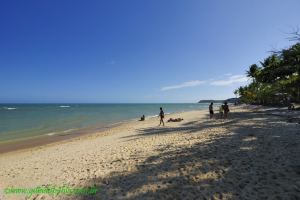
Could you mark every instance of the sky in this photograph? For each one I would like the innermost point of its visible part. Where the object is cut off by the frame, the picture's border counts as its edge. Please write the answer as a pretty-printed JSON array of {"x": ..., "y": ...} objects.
[{"x": 133, "y": 51}]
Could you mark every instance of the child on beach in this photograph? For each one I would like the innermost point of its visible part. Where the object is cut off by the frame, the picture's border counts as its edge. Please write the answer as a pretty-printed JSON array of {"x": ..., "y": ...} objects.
[
  {"x": 161, "y": 115},
  {"x": 221, "y": 111},
  {"x": 211, "y": 110}
]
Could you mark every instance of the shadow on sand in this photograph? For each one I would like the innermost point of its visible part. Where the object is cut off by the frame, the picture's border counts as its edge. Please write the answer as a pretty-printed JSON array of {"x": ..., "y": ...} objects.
[{"x": 257, "y": 158}]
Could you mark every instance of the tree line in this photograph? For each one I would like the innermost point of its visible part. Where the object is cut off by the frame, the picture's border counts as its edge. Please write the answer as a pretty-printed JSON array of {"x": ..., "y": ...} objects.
[{"x": 275, "y": 80}]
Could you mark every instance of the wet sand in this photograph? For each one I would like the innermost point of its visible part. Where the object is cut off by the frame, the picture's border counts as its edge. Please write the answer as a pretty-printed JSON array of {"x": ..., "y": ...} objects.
[
  {"x": 252, "y": 155},
  {"x": 46, "y": 140}
]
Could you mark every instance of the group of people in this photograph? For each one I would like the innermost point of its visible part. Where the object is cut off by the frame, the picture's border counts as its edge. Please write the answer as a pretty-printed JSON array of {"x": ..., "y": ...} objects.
[
  {"x": 223, "y": 110},
  {"x": 162, "y": 116},
  {"x": 291, "y": 106},
  {"x": 223, "y": 114}
]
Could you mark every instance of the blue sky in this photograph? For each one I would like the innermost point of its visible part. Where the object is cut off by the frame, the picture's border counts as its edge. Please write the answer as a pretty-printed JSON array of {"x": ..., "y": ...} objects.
[{"x": 136, "y": 51}]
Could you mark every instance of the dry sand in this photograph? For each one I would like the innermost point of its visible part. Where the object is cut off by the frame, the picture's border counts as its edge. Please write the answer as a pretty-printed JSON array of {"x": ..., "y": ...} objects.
[{"x": 252, "y": 155}]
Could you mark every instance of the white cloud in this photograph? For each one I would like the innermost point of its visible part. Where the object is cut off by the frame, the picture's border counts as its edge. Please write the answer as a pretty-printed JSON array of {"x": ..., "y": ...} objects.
[
  {"x": 226, "y": 81},
  {"x": 230, "y": 80},
  {"x": 183, "y": 85}
]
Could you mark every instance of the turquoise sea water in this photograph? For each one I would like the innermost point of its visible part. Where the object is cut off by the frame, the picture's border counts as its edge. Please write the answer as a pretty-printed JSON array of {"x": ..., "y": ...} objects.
[{"x": 27, "y": 120}]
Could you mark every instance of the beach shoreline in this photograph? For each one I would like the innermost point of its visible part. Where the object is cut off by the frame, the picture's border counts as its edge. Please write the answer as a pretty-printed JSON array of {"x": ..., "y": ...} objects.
[
  {"x": 251, "y": 155},
  {"x": 17, "y": 145},
  {"x": 29, "y": 125},
  {"x": 46, "y": 140}
]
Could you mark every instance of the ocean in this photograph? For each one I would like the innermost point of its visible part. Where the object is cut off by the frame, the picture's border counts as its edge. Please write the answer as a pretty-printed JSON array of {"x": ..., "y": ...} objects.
[{"x": 19, "y": 121}]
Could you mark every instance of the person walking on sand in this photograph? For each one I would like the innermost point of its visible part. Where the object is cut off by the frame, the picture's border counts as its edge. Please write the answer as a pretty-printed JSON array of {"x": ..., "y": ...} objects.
[
  {"x": 226, "y": 110},
  {"x": 211, "y": 110},
  {"x": 162, "y": 116}
]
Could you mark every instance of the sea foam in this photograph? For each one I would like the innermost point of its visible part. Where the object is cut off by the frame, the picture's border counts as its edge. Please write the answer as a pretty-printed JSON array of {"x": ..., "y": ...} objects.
[
  {"x": 9, "y": 108},
  {"x": 152, "y": 116},
  {"x": 69, "y": 130},
  {"x": 61, "y": 132},
  {"x": 64, "y": 106},
  {"x": 52, "y": 133}
]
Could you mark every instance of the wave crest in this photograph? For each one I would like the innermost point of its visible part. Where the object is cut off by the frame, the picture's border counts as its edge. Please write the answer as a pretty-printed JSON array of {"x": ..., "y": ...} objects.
[{"x": 9, "y": 108}]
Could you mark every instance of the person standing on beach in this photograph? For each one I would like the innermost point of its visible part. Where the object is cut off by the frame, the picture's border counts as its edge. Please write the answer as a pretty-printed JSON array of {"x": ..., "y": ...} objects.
[
  {"x": 221, "y": 111},
  {"x": 162, "y": 116},
  {"x": 226, "y": 110},
  {"x": 211, "y": 110}
]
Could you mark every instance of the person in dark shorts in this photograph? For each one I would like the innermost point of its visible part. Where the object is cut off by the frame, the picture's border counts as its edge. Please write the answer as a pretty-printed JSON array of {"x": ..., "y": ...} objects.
[
  {"x": 226, "y": 110},
  {"x": 162, "y": 116},
  {"x": 211, "y": 110}
]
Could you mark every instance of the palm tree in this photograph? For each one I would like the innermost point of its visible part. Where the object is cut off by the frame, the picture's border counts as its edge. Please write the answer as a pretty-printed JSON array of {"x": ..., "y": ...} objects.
[{"x": 253, "y": 71}]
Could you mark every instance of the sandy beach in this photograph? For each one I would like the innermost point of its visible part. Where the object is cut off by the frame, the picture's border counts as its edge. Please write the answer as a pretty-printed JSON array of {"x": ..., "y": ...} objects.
[{"x": 252, "y": 155}]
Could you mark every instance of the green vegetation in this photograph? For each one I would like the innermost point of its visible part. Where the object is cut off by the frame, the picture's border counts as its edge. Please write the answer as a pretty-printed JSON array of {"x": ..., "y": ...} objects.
[
  {"x": 275, "y": 81},
  {"x": 231, "y": 100}
]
